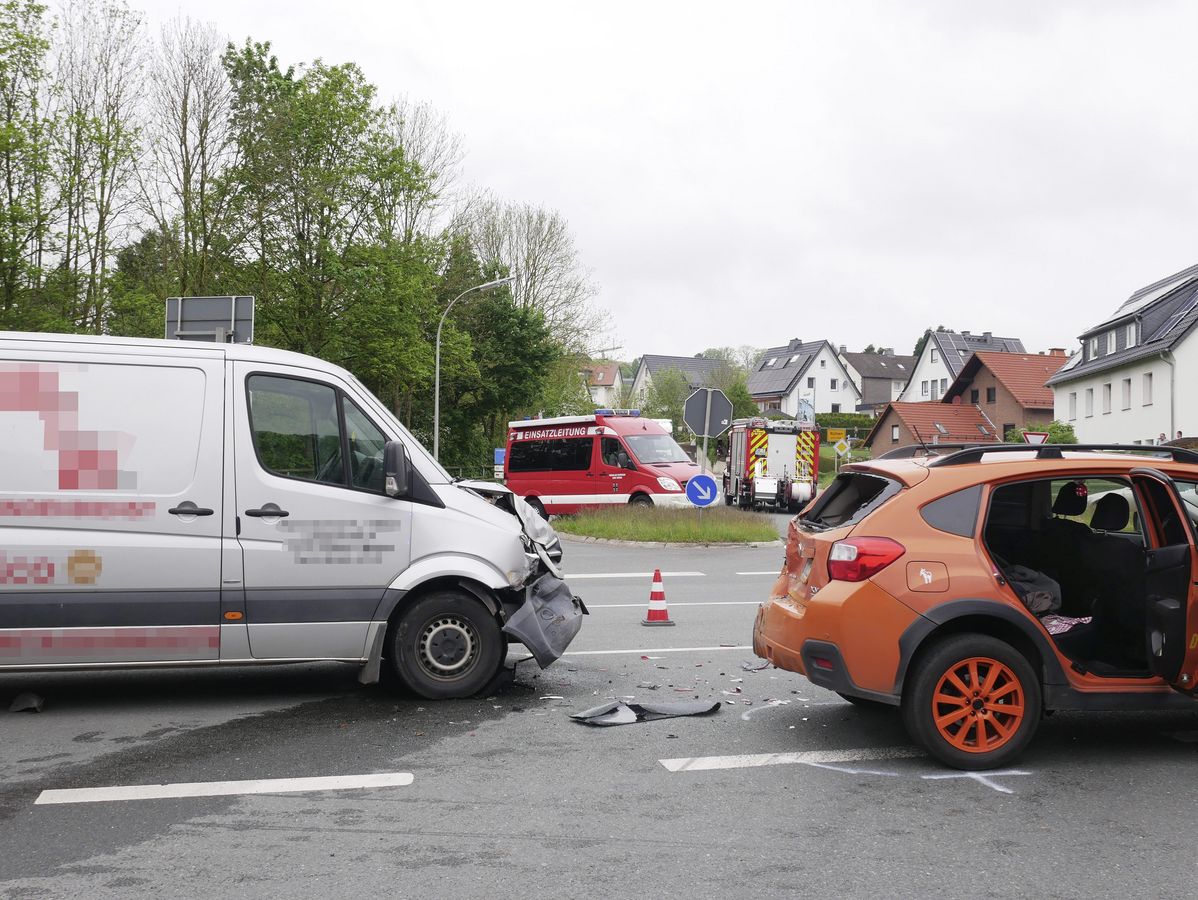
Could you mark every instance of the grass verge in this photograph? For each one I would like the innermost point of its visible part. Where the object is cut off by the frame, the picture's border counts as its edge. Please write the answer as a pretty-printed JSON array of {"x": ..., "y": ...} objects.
[{"x": 718, "y": 525}]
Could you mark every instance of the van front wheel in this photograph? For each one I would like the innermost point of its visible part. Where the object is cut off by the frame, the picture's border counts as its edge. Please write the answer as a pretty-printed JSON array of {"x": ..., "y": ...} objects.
[
  {"x": 641, "y": 500},
  {"x": 973, "y": 702},
  {"x": 447, "y": 645}
]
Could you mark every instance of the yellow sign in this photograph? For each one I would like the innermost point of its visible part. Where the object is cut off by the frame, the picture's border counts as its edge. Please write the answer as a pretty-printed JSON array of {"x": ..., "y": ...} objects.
[
  {"x": 842, "y": 447},
  {"x": 836, "y": 434}
]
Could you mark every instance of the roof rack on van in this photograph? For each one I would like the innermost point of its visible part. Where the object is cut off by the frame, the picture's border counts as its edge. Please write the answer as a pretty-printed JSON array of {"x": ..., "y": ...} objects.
[{"x": 1054, "y": 451}]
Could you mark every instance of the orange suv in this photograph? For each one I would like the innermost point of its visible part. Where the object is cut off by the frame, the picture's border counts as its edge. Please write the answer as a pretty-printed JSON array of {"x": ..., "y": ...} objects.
[{"x": 981, "y": 588}]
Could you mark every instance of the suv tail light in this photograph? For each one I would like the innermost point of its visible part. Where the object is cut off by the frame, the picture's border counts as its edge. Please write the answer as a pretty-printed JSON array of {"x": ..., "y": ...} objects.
[{"x": 856, "y": 559}]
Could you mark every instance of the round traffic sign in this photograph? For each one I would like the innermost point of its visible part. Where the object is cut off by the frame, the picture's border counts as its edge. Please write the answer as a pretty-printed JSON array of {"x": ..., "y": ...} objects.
[{"x": 701, "y": 490}]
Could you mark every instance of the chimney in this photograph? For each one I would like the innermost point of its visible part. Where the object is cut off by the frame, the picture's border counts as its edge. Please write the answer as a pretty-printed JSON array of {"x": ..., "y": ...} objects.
[
  {"x": 794, "y": 344},
  {"x": 843, "y": 348},
  {"x": 965, "y": 334},
  {"x": 1056, "y": 351},
  {"x": 887, "y": 351},
  {"x": 986, "y": 335}
]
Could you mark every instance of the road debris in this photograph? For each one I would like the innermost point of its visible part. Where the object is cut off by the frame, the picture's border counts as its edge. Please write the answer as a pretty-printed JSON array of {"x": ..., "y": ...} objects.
[
  {"x": 27, "y": 702},
  {"x": 755, "y": 665},
  {"x": 619, "y": 713}
]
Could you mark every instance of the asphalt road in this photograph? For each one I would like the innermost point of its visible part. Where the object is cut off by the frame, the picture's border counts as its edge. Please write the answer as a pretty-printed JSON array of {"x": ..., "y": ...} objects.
[{"x": 510, "y": 797}]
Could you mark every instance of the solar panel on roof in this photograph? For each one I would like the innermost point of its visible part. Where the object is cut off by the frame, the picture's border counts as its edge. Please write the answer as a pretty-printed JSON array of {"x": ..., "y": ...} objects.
[{"x": 1174, "y": 319}]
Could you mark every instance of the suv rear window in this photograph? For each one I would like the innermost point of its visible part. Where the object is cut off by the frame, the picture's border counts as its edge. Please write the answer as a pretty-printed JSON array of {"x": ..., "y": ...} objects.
[{"x": 849, "y": 499}]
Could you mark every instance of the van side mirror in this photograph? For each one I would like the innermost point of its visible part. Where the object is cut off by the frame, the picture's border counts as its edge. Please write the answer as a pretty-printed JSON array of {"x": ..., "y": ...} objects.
[{"x": 395, "y": 469}]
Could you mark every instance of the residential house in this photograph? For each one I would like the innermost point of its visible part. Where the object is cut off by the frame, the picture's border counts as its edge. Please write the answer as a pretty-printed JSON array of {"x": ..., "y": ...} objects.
[
  {"x": 1008, "y": 387},
  {"x": 1126, "y": 384},
  {"x": 697, "y": 371},
  {"x": 944, "y": 353},
  {"x": 603, "y": 383},
  {"x": 811, "y": 371},
  {"x": 880, "y": 377},
  {"x": 901, "y": 424}
]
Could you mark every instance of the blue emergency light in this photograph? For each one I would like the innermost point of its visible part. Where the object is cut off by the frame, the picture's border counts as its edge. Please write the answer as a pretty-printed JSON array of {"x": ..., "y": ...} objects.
[{"x": 617, "y": 412}]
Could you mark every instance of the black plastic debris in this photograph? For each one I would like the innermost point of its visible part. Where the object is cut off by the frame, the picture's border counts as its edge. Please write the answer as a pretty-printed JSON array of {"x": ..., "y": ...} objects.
[
  {"x": 27, "y": 702},
  {"x": 755, "y": 665},
  {"x": 617, "y": 712}
]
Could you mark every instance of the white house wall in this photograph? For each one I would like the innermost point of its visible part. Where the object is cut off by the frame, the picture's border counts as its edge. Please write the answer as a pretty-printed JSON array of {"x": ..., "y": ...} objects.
[
  {"x": 822, "y": 396},
  {"x": 926, "y": 370},
  {"x": 1142, "y": 422}
]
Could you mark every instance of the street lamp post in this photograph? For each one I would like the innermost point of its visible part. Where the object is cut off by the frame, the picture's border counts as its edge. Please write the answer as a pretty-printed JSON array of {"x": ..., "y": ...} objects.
[{"x": 498, "y": 282}]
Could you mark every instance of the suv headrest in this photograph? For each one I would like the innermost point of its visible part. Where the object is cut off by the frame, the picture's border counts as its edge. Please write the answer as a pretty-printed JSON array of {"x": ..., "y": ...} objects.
[
  {"x": 1111, "y": 513},
  {"x": 1071, "y": 499}
]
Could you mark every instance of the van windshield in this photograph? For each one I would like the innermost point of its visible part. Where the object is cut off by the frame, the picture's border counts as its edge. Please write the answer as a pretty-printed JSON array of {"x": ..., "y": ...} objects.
[{"x": 652, "y": 449}]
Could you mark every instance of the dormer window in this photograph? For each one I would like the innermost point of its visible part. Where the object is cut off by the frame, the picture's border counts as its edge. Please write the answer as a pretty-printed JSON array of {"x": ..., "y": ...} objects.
[
  {"x": 1110, "y": 341},
  {"x": 1093, "y": 348},
  {"x": 1131, "y": 334}
]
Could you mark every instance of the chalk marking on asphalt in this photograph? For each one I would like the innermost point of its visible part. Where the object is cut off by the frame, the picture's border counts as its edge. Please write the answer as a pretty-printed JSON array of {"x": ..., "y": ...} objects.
[
  {"x": 980, "y": 778},
  {"x": 641, "y": 605},
  {"x": 576, "y": 576},
  {"x": 706, "y": 763},
  {"x": 656, "y": 650},
  {"x": 849, "y": 771},
  {"x": 748, "y": 713},
  {"x": 224, "y": 788},
  {"x": 770, "y": 572}
]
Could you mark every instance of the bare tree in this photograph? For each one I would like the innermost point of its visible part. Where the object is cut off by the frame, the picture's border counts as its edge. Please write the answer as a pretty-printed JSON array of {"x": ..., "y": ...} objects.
[
  {"x": 100, "y": 69},
  {"x": 536, "y": 243},
  {"x": 424, "y": 172},
  {"x": 190, "y": 144}
]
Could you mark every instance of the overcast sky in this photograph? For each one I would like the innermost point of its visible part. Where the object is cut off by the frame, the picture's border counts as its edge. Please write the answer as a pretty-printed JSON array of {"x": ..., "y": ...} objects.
[{"x": 748, "y": 173}]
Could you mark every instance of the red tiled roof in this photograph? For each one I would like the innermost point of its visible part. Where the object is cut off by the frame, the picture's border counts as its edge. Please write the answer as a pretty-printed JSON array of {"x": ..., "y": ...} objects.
[
  {"x": 603, "y": 375},
  {"x": 936, "y": 422},
  {"x": 1023, "y": 374}
]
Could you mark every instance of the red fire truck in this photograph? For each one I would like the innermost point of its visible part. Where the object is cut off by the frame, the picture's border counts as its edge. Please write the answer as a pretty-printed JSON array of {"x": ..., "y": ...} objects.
[{"x": 772, "y": 463}]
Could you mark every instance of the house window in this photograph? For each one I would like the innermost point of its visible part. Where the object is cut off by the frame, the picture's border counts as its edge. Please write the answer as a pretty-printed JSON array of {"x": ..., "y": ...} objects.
[
  {"x": 1148, "y": 389},
  {"x": 770, "y": 362},
  {"x": 991, "y": 394},
  {"x": 1131, "y": 334},
  {"x": 923, "y": 388},
  {"x": 1072, "y": 406},
  {"x": 894, "y": 434},
  {"x": 811, "y": 383},
  {"x": 835, "y": 407},
  {"x": 832, "y": 386},
  {"x": 1106, "y": 398},
  {"x": 1093, "y": 348},
  {"x": 1089, "y": 402},
  {"x": 897, "y": 387},
  {"x": 1007, "y": 428},
  {"x": 791, "y": 361},
  {"x": 934, "y": 356},
  {"x": 1110, "y": 341},
  {"x": 823, "y": 364},
  {"x": 943, "y": 385},
  {"x": 973, "y": 395},
  {"x": 1127, "y": 393}
]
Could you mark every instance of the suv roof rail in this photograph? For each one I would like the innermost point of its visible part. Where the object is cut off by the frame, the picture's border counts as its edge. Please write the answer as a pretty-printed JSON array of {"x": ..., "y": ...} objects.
[
  {"x": 1054, "y": 451},
  {"x": 913, "y": 450}
]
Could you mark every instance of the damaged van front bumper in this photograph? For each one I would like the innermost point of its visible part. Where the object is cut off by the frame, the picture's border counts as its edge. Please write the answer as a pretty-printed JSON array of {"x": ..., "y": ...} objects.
[{"x": 547, "y": 620}]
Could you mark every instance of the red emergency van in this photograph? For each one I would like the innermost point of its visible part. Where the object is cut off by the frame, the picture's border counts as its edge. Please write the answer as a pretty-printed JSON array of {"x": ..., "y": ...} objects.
[{"x": 564, "y": 464}]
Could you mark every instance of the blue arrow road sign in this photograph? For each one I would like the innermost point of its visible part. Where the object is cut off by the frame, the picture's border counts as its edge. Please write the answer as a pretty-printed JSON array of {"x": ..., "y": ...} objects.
[{"x": 701, "y": 490}]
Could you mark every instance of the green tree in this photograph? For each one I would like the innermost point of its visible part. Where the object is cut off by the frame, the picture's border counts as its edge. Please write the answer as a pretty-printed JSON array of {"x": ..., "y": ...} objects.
[
  {"x": 919, "y": 344},
  {"x": 666, "y": 397},
  {"x": 733, "y": 381},
  {"x": 1058, "y": 432}
]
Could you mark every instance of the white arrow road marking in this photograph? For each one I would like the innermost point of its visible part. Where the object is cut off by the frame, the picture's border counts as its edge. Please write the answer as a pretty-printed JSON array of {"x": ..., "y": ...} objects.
[
  {"x": 704, "y": 763},
  {"x": 576, "y": 577},
  {"x": 224, "y": 788}
]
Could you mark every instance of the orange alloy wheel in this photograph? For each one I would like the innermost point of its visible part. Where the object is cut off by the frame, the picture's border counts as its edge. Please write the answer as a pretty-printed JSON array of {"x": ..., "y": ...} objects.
[{"x": 978, "y": 704}]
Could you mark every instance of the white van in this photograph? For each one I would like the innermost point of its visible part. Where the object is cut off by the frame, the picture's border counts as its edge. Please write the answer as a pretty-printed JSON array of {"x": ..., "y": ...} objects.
[{"x": 183, "y": 503}]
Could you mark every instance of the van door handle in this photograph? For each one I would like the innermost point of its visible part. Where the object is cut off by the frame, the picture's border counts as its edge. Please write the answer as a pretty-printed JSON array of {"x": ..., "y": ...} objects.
[
  {"x": 187, "y": 508},
  {"x": 268, "y": 511}
]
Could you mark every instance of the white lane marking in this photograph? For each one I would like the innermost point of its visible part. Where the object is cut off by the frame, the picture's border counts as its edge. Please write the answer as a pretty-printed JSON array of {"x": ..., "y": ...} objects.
[
  {"x": 224, "y": 788},
  {"x": 980, "y": 778},
  {"x": 770, "y": 572},
  {"x": 705, "y": 763},
  {"x": 641, "y": 605},
  {"x": 577, "y": 576},
  {"x": 656, "y": 650}
]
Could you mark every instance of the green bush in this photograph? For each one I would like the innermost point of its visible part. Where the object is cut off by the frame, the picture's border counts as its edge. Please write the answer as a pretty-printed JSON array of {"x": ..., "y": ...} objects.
[{"x": 718, "y": 525}]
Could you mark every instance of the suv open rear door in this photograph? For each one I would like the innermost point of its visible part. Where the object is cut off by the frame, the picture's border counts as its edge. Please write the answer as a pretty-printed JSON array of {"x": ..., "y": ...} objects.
[{"x": 1170, "y": 579}]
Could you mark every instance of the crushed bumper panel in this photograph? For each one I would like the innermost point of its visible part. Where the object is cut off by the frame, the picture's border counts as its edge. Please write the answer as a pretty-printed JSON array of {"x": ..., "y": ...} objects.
[{"x": 548, "y": 619}]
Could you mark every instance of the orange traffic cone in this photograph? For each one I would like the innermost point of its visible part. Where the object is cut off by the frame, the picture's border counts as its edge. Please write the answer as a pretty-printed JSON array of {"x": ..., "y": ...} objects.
[{"x": 658, "y": 614}]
